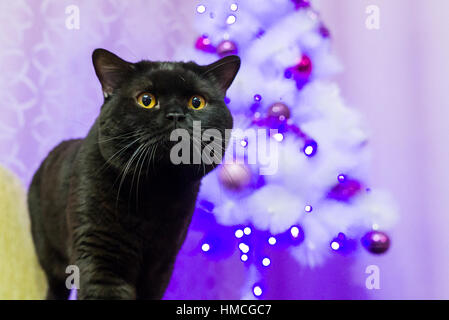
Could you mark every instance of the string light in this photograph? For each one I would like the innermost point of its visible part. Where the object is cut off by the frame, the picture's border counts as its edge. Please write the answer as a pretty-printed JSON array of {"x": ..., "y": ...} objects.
[
  {"x": 272, "y": 240},
  {"x": 335, "y": 245},
  {"x": 244, "y": 257},
  {"x": 257, "y": 290},
  {"x": 310, "y": 148},
  {"x": 231, "y": 19},
  {"x": 200, "y": 8},
  {"x": 234, "y": 7},
  {"x": 308, "y": 208},
  {"x": 278, "y": 137},
  {"x": 266, "y": 262},
  {"x": 243, "y": 247},
  {"x": 238, "y": 233},
  {"x": 205, "y": 247},
  {"x": 294, "y": 231},
  {"x": 247, "y": 231}
]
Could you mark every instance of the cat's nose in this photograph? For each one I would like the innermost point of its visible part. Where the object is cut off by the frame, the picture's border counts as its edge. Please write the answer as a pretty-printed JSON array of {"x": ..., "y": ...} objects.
[{"x": 175, "y": 116}]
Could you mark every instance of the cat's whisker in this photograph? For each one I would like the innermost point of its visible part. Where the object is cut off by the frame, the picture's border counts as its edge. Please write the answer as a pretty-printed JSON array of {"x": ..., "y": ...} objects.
[
  {"x": 136, "y": 167},
  {"x": 153, "y": 155},
  {"x": 125, "y": 171},
  {"x": 108, "y": 163},
  {"x": 122, "y": 136},
  {"x": 149, "y": 152},
  {"x": 213, "y": 146},
  {"x": 209, "y": 159},
  {"x": 144, "y": 154}
]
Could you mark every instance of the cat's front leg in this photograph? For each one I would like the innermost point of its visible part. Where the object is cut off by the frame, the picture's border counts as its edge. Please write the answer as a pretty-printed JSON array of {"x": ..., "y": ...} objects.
[
  {"x": 99, "y": 280},
  {"x": 107, "y": 270},
  {"x": 98, "y": 289}
]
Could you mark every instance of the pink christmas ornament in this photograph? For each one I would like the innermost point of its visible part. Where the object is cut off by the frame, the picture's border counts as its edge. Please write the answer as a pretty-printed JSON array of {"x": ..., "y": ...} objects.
[
  {"x": 226, "y": 48},
  {"x": 279, "y": 112},
  {"x": 234, "y": 176}
]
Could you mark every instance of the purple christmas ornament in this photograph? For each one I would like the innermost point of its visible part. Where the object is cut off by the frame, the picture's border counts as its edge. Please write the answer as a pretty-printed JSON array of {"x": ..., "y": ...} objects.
[
  {"x": 300, "y": 72},
  {"x": 324, "y": 31},
  {"x": 345, "y": 189},
  {"x": 277, "y": 116},
  {"x": 203, "y": 43},
  {"x": 301, "y": 4},
  {"x": 376, "y": 242},
  {"x": 304, "y": 68},
  {"x": 226, "y": 48}
]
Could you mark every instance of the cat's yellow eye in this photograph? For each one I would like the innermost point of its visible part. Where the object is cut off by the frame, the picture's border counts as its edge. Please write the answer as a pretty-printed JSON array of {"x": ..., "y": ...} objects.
[
  {"x": 197, "y": 102},
  {"x": 146, "y": 100}
]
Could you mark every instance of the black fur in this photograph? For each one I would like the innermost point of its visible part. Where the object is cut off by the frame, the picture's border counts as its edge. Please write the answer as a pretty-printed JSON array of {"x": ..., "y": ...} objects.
[{"x": 112, "y": 203}]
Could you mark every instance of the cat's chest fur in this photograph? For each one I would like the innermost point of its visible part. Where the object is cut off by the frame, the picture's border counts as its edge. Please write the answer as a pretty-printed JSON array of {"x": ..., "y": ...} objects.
[
  {"x": 145, "y": 205},
  {"x": 137, "y": 232}
]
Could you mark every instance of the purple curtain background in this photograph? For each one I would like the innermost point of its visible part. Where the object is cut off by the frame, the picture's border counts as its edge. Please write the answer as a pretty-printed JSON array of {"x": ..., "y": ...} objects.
[{"x": 396, "y": 76}]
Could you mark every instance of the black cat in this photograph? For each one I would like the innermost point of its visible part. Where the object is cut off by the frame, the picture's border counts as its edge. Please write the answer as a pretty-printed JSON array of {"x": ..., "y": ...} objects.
[{"x": 113, "y": 203}]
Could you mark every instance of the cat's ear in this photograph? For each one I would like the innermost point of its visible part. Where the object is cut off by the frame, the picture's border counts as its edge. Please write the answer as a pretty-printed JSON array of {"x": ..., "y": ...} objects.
[
  {"x": 224, "y": 70},
  {"x": 110, "y": 69}
]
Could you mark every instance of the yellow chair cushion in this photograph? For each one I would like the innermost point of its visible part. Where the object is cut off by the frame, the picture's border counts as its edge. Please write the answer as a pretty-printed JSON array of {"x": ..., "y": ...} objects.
[{"x": 20, "y": 274}]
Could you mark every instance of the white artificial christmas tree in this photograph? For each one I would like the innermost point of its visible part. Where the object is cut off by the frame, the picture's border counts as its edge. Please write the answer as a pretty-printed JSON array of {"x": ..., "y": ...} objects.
[{"x": 318, "y": 201}]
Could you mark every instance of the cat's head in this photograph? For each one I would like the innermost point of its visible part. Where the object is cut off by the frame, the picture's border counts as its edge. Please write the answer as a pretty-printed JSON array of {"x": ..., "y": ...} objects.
[{"x": 145, "y": 101}]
